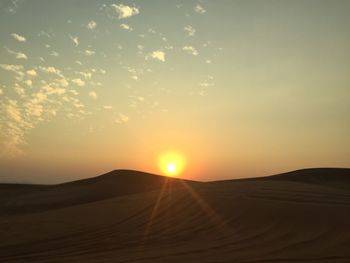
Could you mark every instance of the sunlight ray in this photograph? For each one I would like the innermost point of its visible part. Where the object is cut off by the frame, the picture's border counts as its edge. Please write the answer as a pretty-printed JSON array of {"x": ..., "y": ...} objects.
[{"x": 209, "y": 211}]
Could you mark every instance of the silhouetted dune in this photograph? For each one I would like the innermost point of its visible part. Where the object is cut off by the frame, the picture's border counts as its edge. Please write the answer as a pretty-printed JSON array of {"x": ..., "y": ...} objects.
[
  {"x": 148, "y": 218},
  {"x": 115, "y": 183},
  {"x": 330, "y": 177}
]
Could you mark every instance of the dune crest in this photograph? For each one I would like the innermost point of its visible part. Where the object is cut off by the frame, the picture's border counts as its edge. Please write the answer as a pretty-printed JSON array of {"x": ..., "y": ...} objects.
[{"x": 130, "y": 216}]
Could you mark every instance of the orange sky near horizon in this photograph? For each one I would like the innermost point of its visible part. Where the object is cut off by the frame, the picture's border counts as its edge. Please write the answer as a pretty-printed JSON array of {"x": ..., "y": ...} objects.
[{"x": 240, "y": 88}]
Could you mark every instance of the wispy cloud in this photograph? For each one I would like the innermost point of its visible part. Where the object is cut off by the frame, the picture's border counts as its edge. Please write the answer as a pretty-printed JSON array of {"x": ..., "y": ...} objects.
[
  {"x": 13, "y": 6},
  {"x": 86, "y": 75},
  {"x": 199, "y": 9},
  {"x": 78, "y": 82},
  {"x": 121, "y": 118},
  {"x": 62, "y": 82},
  {"x": 28, "y": 82},
  {"x": 75, "y": 40},
  {"x": 190, "y": 30},
  {"x": 18, "y": 55},
  {"x": 91, "y": 25},
  {"x": 126, "y": 27},
  {"x": 54, "y": 54},
  {"x": 13, "y": 68},
  {"x": 125, "y": 11},
  {"x": 31, "y": 72},
  {"x": 13, "y": 111},
  {"x": 158, "y": 54},
  {"x": 13, "y": 128},
  {"x": 17, "y": 69},
  {"x": 93, "y": 95},
  {"x": 190, "y": 50},
  {"x": 19, "y": 90},
  {"x": 19, "y": 38},
  {"x": 51, "y": 70},
  {"x": 89, "y": 52}
]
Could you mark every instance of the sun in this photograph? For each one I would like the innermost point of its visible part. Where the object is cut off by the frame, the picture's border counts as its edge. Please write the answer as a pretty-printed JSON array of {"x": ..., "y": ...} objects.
[{"x": 171, "y": 163}]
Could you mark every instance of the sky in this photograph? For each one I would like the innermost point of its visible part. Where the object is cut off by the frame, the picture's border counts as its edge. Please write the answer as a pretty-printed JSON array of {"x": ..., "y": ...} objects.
[{"x": 238, "y": 88}]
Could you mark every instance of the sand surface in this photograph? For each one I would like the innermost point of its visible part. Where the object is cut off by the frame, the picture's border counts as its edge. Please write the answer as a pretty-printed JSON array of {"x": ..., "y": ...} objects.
[{"x": 127, "y": 216}]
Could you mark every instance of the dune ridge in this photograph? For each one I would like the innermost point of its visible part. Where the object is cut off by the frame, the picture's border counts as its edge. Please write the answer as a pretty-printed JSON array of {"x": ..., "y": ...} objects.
[{"x": 130, "y": 216}]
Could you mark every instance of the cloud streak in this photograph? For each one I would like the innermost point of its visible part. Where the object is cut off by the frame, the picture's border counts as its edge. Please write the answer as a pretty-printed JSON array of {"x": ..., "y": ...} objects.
[
  {"x": 125, "y": 11},
  {"x": 158, "y": 55},
  {"x": 190, "y": 30},
  {"x": 91, "y": 25},
  {"x": 199, "y": 9},
  {"x": 190, "y": 50},
  {"x": 126, "y": 27},
  {"x": 19, "y": 38}
]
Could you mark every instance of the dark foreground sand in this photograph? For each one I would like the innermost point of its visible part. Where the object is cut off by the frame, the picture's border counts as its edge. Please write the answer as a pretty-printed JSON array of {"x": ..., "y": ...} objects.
[{"x": 127, "y": 216}]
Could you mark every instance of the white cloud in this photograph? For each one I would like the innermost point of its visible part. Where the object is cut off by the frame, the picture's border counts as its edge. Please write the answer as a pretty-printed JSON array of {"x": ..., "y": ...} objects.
[
  {"x": 190, "y": 30},
  {"x": 86, "y": 75},
  {"x": 169, "y": 47},
  {"x": 54, "y": 54},
  {"x": 19, "y": 38},
  {"x": 19, "y": 90},
  {"x": 45, "y": 34},
  {"x": 18, "y": 55},
  {"x": 191, "y": 50},
  {"x": 93, "y": 94},
  {"x": 62, "y": 82},
  {"x": 125, "y": 11},
  {"x": 75, "y": 40},
  {"x": 159, "y": 55},
  {"x": 89, "y": 52},
  {"x": 51, "y": 70},
  {"x": 208, "y": 61},
  {"x": 206, "y": 84},
  {"x": 34, "y": 107},
  {"x": 151, "y": 30},
  {"x": 209, "y": 82},
  {"x": 50, "y": 90},
  {"x": 28, "y": 82},
  {"x": 91, "y": 25},
  {"x": 74, "y": 92},
  {"x": 199, "y": 9},
  {"x": 13, "y": 68},
  {"x": 13, "y": 111},
  {"x": 31, "y": 72},
  {"x": 17, "y": 69},
  {"x": 133, "y": 72},
  {"x": 107, "y": 107},
  {"x": 1, "y": 92},
  {"x": 21, "y": 55},
  {"x": 121, "y": 118},
  {"x": 126, "y": 27},
  {"x": 15, "y": 128},
  {"x": 78, "y": 82}
]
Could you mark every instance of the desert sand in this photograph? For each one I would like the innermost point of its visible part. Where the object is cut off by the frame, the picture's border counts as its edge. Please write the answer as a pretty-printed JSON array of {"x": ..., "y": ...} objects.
[{"x": 130, "y": 216}]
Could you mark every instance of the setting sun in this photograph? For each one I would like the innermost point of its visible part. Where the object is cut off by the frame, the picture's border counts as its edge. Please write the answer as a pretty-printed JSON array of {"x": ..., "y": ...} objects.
[{"x": 171, "y": 163}]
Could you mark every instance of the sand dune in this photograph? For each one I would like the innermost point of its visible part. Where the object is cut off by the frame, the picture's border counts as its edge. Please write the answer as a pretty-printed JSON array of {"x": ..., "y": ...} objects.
[{"x": 128, "y": 216}]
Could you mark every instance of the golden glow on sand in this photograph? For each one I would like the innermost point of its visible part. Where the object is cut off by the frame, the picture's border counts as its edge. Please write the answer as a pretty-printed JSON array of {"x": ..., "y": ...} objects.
[{"x": 171, "y": 163}]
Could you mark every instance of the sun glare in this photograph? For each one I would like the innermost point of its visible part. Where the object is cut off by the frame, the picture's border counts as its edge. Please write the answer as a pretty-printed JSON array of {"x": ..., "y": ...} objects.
[{"x": 171, "y": 163}]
